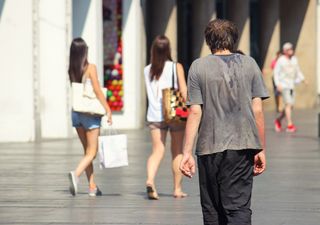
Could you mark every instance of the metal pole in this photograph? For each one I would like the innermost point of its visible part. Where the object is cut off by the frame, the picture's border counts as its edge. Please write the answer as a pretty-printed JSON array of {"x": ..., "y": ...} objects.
[
  {"x": 319, "y": 124},
  {"x": 36, "y": 70},
  {"x": 318, "y": 48},
  {"x": 318, "y": 58}
]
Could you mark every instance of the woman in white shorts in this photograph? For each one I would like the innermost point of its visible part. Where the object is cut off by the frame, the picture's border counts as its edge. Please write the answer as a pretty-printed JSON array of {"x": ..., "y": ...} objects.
[{"x": 158, "y": 76}]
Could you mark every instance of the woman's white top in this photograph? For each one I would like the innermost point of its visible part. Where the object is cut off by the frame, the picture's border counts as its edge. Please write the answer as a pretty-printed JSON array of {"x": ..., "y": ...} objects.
[{"x": 154, "y": 89}]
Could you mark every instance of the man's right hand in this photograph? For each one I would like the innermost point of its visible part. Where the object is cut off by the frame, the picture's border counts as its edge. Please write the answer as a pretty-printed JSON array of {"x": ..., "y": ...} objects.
[
  {"x": 188, "y": 165},
  {"x": 259, "y": 163}
]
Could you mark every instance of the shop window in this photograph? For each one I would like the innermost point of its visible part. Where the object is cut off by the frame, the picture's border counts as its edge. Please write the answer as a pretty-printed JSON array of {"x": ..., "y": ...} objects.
[{"x": 112, "y": 53}]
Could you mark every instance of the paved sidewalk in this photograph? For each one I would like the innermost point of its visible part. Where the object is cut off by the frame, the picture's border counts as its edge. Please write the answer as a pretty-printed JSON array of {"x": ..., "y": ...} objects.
[{"x": 34, "y": 184}]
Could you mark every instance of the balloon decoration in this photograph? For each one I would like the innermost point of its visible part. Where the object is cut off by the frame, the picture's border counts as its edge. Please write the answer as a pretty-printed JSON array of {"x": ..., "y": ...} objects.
[{"x": 112, "y": 40}]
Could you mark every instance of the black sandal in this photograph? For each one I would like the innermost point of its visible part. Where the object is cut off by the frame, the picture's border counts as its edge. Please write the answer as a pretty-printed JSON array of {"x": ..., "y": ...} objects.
[{"x": 152, "y": 194}]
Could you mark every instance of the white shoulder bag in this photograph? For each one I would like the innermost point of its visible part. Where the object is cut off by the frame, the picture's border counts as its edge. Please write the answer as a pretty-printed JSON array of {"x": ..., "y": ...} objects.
[{"x": 84, "y": 99}]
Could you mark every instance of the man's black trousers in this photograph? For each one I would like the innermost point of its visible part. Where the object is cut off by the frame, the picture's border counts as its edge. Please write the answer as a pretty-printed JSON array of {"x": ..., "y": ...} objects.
[{"x": 225, "y": 187}]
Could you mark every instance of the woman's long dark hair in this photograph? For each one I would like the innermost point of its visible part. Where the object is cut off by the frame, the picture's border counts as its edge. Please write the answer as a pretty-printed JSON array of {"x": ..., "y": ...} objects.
[
  {"x": 78, "y": 61},
  {"x": 160, "y": 53}
]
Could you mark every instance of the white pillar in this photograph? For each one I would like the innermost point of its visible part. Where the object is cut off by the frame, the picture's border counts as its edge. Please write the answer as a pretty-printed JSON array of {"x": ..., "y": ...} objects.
[
  {"x": 133, "y": 62},
  {"x": 87, "y": 23},
  {"x": 16, "y": 99},
  {"x": 296, "y": 19},
  {"x": 171, "y": 32},
  {"x": 54, "y": 33}
]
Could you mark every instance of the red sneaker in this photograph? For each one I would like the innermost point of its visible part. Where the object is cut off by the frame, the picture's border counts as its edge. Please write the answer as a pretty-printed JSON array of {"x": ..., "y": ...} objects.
[
  {"x": 291, "y": 129},
  {"x": 277, "y": 125}
]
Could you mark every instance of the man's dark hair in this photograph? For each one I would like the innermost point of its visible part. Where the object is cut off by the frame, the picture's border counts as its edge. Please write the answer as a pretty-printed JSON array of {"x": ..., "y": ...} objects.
[{"x": 220, "y": 35}]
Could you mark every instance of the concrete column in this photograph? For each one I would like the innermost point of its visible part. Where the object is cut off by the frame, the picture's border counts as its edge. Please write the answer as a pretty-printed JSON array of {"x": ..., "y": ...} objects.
[
  {"x": 269, "y": 40},
  {"x": 16, "y": 99},
  {"x": 297, "y": 17},
  {"x": 87, "y": 23},
  {"x": 202, "y": 12},
  {"x": 238, "y": 12},
  {"x": 270, "y": 32},
  {"x": 318, "y": 47},
  {"x": 133, "y": 62},
  {"x": 171, "y": 32},
  {"x": 54, "y": 38},
  {"x": 163, "y": 20}
]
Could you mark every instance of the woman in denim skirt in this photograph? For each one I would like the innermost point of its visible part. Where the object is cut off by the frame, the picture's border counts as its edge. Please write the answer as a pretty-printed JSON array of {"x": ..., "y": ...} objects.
[{"x": 87, "y": 126}]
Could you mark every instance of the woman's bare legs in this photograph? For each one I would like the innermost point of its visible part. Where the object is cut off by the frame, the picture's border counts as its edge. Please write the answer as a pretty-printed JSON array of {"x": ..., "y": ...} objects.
[
  {"x": 158, "y": 149},
  {"x": 89, "y": 140},
  {"x": 288, "y": 112},
  {"x": 89, "y": 170},
  {"x": 176, "y": 150},
  {"x": 277, "y": 100}
]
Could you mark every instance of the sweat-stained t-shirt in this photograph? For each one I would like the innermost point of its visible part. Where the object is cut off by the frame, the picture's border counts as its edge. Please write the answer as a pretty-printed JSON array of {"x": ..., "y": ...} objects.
[{"x": 225, "y": 85}]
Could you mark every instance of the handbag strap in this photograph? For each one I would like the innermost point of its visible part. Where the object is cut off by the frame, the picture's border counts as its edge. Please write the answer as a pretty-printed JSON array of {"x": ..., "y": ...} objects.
[
  {"x": 107, "y": 129},
  {"x": 84, "y": 78},
  {"x": 173, "y": 66}
]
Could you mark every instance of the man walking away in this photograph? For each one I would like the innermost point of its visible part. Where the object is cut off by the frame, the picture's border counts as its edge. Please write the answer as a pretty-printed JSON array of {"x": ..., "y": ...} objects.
[{"x": 225, "y": 92}]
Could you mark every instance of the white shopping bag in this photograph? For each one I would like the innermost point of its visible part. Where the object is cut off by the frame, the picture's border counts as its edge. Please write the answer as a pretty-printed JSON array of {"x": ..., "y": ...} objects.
[{"x": 113, "y": 151}]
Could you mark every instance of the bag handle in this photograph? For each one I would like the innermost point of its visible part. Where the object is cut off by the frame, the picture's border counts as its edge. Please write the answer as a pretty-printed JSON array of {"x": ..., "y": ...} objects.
[
  {"x": 174, "y": 66},
  {"x": 107, "y": 129},
  {"x": 111, "y": 130}
]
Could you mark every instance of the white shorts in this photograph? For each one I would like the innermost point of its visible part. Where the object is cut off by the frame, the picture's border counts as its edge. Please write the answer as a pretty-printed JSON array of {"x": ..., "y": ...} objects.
[{"x": 288, "y": 96}]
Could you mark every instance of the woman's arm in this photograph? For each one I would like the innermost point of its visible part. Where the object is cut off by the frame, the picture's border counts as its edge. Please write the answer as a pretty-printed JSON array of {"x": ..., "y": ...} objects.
[
  {"x": 97, "y": 90},
  {"x": 182, "y": 81},
  {"x": 276, "y": 74}
]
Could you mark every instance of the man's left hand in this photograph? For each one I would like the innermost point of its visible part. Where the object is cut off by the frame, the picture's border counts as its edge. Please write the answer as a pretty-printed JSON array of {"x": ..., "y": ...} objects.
[
  {"x": 259, "y": 163},
  {"x": 188, "y": 165}
]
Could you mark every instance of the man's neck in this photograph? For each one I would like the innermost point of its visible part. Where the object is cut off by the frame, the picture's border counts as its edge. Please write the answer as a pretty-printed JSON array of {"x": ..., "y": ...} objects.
[{"x": 223, "y": 52}]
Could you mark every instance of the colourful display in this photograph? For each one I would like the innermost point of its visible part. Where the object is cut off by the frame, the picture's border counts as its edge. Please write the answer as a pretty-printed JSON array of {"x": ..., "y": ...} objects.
[{"x": 112, "y": 40}]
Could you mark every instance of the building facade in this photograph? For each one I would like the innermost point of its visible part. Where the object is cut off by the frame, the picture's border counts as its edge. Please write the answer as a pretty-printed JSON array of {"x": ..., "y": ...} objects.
[{"x": 35, "y": 37}]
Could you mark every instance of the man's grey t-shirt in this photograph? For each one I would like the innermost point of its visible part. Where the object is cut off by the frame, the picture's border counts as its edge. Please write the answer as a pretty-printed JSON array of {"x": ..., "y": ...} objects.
[{"x": 225, "y": 85}]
